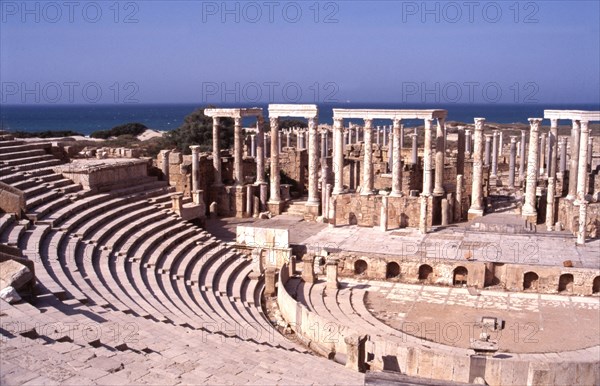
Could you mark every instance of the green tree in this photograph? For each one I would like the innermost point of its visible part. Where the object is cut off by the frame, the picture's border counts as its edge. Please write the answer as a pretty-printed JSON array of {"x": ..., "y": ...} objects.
[
  {"x": 133, "y": 129},
  {"x": 197, "y": 130}
]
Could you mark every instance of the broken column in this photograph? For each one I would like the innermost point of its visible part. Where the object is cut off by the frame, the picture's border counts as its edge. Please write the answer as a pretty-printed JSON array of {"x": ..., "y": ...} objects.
[
  {"x": 195, "y": 167},
  {"x": 165, "y": 164},
  {"x": 476, "y": 208},
  {"x": 458, "y": 208},
  {"x": 529, "y": 207},
  {"x": 522, "y": 156},
  {"x": 423, "y": 215},
  {"x": 383, "y": 216},
  {"x": 308, "y": 270},
  {"x": 581, "y": 234},
  {"x": 332, "y": 273},
  {"x": 550, "y": 204},
  {"x": 271, "y": 277}
]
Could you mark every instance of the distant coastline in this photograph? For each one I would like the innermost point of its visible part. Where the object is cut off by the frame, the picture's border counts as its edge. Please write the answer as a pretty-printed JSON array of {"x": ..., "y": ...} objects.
[{"x": 164, "y": 117}]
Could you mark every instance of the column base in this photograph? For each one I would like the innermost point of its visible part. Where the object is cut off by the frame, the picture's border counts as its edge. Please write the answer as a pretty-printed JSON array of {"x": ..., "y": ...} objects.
[
  {"x": 275, "y": 207},
  {"x": 396, "y": 194},
  {"x": 474, "y": 213},
  {"x": 311, "y": 211},
  {"x": 438, "y": 192}
]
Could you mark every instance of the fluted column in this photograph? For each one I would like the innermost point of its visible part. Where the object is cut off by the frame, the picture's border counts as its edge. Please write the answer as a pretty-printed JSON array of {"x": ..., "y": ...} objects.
[
  {"x": 522, "y": 156},
  {"x": 275, "y": 196},
  {"x": 396, "y": 162},
  {"x": 367, "y": 185},
  {"x": 582, "y": 173},
  {"x": 427, "y": 159},
  {"x": 238, "y": 171},
  {"x": 440, "y": 151},
  {"x": 574, "y": 163},
  {"x": 260, "y": 150},
  {"x": 338, "y": 149},
  {"x": 476, "y": 208},
  {"x": 495, "y": 154},
  {"x": 195, "y": 167},
  {"x": 512, "y": 161},
  {"x": 313, "y": 162},
  {"x": 217, "y": 152},
  {"x": 529, "y": 209}
]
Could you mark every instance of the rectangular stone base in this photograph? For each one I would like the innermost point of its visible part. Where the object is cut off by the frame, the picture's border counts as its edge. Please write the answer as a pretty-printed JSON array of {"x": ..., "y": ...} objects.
[
  {"x": 276, "y": 208},
  {"x": 311, "y": 211},
  {"x": 239, "y": 201},
  {"x": 474, "y": 213}
]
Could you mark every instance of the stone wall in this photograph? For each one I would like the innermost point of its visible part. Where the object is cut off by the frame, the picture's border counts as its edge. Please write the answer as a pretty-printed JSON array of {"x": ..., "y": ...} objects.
[
  {"x": 101, "y": 175},
  {"x": 12, "y": 200},
  {"x": 294, "y": 165},
  {"x": 568, "y": 216},
  {"x": 354, "y": 209}
]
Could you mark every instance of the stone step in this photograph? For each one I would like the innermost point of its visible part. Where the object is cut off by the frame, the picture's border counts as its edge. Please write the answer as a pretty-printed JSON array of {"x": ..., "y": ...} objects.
[
  {"x": 26, "y": 160},
  {"x": 22, "y": 146}
]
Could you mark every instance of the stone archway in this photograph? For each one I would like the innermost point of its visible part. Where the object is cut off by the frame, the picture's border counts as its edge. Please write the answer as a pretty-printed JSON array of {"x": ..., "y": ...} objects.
[
  {"x": 360, "y": 267},
  {"x": 596, "y": 286},
  {"x": 565, "y": 283},
  {"x": 425, "y": 273},
  {"x": 392, "y": 271},
  {"x": 530, "y": 281},
  {"x": 460, "y": 276}
]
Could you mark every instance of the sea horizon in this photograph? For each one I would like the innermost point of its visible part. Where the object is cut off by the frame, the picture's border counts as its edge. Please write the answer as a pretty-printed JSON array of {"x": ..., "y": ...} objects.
[{"x": 87, "y": 118}]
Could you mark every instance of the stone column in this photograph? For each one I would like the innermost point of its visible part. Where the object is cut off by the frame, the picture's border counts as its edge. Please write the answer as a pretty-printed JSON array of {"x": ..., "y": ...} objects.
[
  {"x": 563, "y": 156},
  {"x": 396, "y": 162},
  {"x": 468, "y": 142},
  {"x": 238, "y": 171},
  {"x": 378, "y": 135},
  {"x": 385, "y": 136},
  {"x": 542, "y": 153},
  {"x": 249, "y": 200},
  {"x": 444, "y": 212},
  {"x": 550, "y": 204},
  {"x": 367, "y": 185},
  {"x": 500, "y": 145},
  {"x": 217, "y": 152},
  {"x": 279, "y": 147},
  {"x": 346, "y": 141},
  {"x": 581, "y": 235},
  {"x": 275, "y": 196},
  {"x": 488, "y": 145},
  {"x": 313, "y": 163},
  {"x": 308, "y": 269},
  {"x": 350, "y": 135},
  {"x": 427, "y": 159},
  {"x": 253, "y": 145},
  {"x": 553, "y": 146},
  {"x": 460, "y": 154},
  {"x": 165, "y": 164},
  {"x": 332, "y": 273},
  {"x": 323, "y": 144},
  {"x": 529, "y": 209},
  {"x": 415, "y": 149},
  {"x": 260, "y": 151},
  {"x": 582, "y": 173},
  {"x": 271, "y": 272},
  {"x": 476, "y": 208},
  {"x": 401, "y": 136},
  {"x": 495, "y": 154},
  {"x": 383, "y": 215},
  {"x": 287, "y": 137},
  {"x": 440, "y": 150},
  {"x": 338, "y": 155},
  {"x": 423, "y": 215},
  {"x": 590, "y": 151},
  {"x": 458, "y": 208},
  {"x": 512, "y": 161},
  {"x": 522, "y": 156},
  {"x": 574, "y": 163},
  {"x": 195, "y": 167}
]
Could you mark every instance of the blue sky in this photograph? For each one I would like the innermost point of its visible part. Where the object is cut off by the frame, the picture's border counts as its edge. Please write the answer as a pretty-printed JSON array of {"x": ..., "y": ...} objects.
[{"x": 304, "y": 51}]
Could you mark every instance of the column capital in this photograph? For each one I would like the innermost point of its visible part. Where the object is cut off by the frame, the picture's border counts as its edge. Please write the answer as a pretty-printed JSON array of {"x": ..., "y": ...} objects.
[
  {"x": 237, "y": 121},
  {"x": 368, "y": 123},
  {"x": 338, "y": 123},
  {"x": 553, "y": 123},
  {"x": 195, "y": 149},
  {"x": 535, "y": 123},
  {"x": 216, "y": 120},
  {"x": 584, "y": 126},
  {"x": 488, "y": 137},
  {"x": 479, "y": 123},
  {"x": 274, "y": 121},
  {"x": 513, "y": 139},
  {"x": 397, "y": 123}
]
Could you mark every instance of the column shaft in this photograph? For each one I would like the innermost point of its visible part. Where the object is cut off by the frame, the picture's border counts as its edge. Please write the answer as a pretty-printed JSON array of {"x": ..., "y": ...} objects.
[
  {"x": 217, "y": 152},
  {"x": 313, "y": 162},
  {"x": 195, "y": 167},
  {"x": 529, "y": 208},
  {"x": 338, "y": 149},
  {"x": 427, "y": 159},
  {"x": 512, "y": 161},
  {"x": 260, "y": 151},
  {"x": 582, "y": 172},
  {"x": 522, "y": 156},
  {"x": 476, "y": 208},
  {"x": 495, "y": 154},
  {"x": 238, "y": 172},
  {"x": 574, "y": 163},
  {"x": 275, "y": 177},
  {"x": 396, "y": 162},
  {"x": 367, "y": 185},
  {"x": 440, "y": 150}
]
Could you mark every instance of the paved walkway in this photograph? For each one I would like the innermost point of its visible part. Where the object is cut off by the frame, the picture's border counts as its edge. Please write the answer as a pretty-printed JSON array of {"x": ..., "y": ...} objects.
[{"x": 456, "y": 241}]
